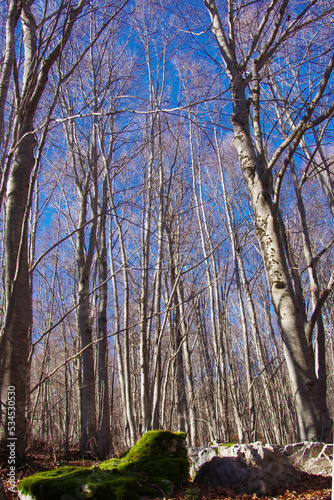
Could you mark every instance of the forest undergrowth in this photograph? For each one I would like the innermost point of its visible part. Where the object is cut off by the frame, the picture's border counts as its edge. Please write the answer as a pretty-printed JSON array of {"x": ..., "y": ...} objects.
[{"x": 310, "y": 487}]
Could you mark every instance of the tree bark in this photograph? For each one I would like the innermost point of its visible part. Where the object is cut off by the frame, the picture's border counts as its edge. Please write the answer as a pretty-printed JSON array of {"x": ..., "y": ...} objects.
[
  {"x": 312, "y": 413},
  {"x": 103, "y": 428},
  {"x": 15, "y": 343},
  {"x": 125, "y": 357},
  {"x": 87, "y": 393},
  {"x": 311, "y": 408},
  {"x": 15, "y": 340}
]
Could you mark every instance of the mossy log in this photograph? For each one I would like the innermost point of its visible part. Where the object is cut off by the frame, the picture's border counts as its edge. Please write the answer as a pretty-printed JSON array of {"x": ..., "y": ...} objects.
[{"x": 153, "y": 468}]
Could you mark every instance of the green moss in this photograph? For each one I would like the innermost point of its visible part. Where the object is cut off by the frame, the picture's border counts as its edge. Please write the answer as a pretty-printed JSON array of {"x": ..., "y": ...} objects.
[
  {"x": 153, "y": 467},
  {"x": 158, "y": 453},
  {"x": 53, "y": 484}
]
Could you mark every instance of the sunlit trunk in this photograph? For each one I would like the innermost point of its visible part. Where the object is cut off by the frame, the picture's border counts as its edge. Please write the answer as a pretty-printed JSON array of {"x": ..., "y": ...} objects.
[
  {"x": 14, "y": 345},
  {"x": 311, "y": 408}
]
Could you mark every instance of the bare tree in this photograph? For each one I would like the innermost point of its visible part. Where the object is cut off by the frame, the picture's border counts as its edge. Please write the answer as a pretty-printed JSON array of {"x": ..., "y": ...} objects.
[
  {"x": 14, "y": 345},
  {"x": 103, "y": 406},
  {"x": 245, "y": 69},
  {"x": 44, "y": 35}
]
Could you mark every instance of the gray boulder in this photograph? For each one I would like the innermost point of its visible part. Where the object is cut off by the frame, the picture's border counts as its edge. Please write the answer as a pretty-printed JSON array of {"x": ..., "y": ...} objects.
[
  {"x": 312, "y": 458},
  {"x": 255, "y": 467},
  {"x": 222, "y": 471}
]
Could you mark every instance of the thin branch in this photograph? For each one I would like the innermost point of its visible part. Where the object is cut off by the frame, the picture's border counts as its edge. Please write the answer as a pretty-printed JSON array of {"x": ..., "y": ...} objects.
[
  {"x": 94, "y": 342},
  {"x": 317, "y": 310},
  {"x": 304, "y": 124}
]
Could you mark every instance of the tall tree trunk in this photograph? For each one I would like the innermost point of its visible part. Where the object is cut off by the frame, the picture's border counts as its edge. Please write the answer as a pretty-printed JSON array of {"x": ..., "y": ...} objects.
[
  {"x": 191, "y": 427},
  {"x": 15, "y": 338},
  {"x": 311, "y": 408},
  {"x": 157, "y": 376},
  {"x": 84, "y": 168},
  {"x": 244, "y": 284},
  {"x": 14, "y": 8},
  {"x": 88, "y": 393},
  {"x": 212, "y": 281},
  {"x": 144, "y": 292},
  {"x": 103, "y": 428},
  {"x": 125, "y": 357},
  {"x": 208, "y": 372},
  {"x": 176, "y": 339},
  {"x": 12, "y": 17},
  {"x": 316, "y": 340},
  {"x": 117, "y": 328},
  {"x": 14, "y": 345}
]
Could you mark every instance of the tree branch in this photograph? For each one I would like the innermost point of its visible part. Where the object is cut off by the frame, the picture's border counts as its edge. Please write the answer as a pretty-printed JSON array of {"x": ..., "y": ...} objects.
[{"x": 317, "y": 310}]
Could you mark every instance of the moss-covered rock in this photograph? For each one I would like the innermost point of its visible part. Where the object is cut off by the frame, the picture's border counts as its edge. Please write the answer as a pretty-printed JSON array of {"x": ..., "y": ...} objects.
[{"x": 152, "y": 468}]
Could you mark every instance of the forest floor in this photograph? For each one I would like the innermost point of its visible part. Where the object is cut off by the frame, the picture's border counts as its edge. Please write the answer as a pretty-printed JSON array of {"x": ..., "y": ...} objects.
[{"x": 309, "y": 488}]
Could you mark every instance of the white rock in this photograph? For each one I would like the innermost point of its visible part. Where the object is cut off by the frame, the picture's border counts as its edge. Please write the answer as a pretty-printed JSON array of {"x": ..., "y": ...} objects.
[
  {"x": 255, "y": 467},
  {"x": 310, "y": 457}
]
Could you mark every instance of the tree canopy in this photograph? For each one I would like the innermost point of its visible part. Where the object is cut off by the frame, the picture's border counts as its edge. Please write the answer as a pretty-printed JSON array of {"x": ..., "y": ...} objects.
[{"x": 166, "y": 206}]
